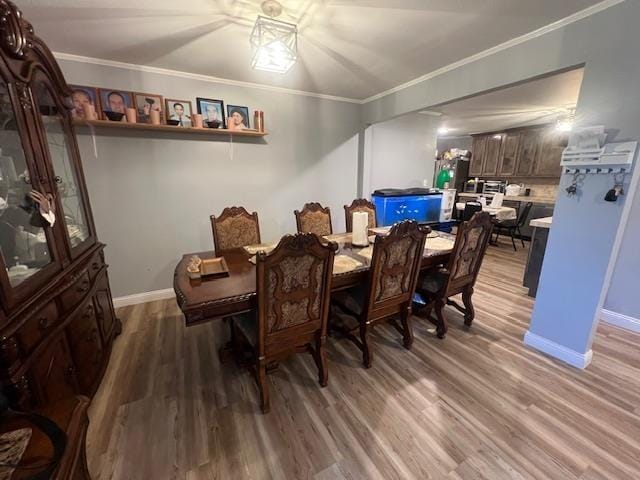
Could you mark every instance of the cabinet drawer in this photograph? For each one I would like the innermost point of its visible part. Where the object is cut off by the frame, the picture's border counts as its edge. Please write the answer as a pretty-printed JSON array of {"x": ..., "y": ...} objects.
[
  {"x": 95, "y": 265},
  {"x": 86, "y": 347},
  {"x": 73, "y": 295},
  {"x": 38, "y": 327}
]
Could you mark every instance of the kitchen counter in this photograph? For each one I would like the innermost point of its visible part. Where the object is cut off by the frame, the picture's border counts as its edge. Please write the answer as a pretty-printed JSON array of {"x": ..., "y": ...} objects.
[
  {"x": 541, "y": 222},
  {"x": 514, "y": 198}
]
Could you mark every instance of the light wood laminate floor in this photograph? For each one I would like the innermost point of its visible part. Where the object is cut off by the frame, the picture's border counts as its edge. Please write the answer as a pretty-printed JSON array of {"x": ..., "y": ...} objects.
[{"x": 478, "y": 404}]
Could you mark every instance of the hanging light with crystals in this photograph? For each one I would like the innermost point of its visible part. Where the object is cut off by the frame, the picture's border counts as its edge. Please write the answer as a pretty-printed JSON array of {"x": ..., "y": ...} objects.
[{"x": 274, "y": 43}]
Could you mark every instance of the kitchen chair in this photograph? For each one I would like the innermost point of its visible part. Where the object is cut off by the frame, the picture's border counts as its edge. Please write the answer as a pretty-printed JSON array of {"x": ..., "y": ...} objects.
[
  {"x": 470, "y": 208},
  {"x": 389, "y": 287},
  {"x": 511, "y": 227},
  {"x": 234, "y": 228},
  {"x": 293, "y": 287},
  {"x": 460, "y": 274},
  {"x": 314, "y": 219},
  {"x": 360, "y": 205}
]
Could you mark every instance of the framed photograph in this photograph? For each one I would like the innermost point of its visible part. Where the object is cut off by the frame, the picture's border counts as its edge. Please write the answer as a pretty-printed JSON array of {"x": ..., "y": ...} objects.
[
  {"x": 178, "y": 112},
  {"x": 82, "y": 95},
  {"x": 147, "y": 102},
  {"x": 114, "y": 103},
  {"x": 211, "y": 111},
  {"x": 239, "y": 115}
]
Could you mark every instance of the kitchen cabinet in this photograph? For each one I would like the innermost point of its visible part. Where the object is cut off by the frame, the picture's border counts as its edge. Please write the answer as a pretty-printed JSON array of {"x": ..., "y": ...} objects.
[
  {"x": 492, "y": 152},
  {"x": 528, "y": 152},
  {"x": 548, "y": 159},
  {"x": 476, "y": 166},
  {"x": 510, "y": 153}
]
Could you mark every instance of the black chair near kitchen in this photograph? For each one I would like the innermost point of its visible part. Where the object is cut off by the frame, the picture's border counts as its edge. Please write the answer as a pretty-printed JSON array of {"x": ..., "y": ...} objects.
[
  {"x": 511, "y": 227},
  {"x": 470, "y": 209}
]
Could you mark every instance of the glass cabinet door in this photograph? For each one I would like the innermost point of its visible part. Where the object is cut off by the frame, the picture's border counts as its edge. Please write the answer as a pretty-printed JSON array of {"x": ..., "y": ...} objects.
[
  {"x": 68, "y": 190},
  {"x": 23, "y": 240}
]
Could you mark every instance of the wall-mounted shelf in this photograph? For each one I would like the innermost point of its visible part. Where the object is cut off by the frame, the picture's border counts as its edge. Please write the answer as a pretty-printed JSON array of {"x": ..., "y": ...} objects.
[{"x": 168, "y": 128}]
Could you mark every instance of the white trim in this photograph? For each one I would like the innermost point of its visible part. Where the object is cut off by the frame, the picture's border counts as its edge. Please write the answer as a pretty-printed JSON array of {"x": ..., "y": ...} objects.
[
  {"x": 197, "y": 76},
  {"x": 598, "y": 7},
  {"x": 143, "y": 297},
  {"x": 620, "y": 320},
  {"x": 576, "y": 359}
]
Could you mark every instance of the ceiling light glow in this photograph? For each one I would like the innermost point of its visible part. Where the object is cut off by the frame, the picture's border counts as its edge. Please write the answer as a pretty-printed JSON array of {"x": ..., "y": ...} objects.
[
  {"x": 443, "y": 131},
  {"x": 274, "y": 45}
]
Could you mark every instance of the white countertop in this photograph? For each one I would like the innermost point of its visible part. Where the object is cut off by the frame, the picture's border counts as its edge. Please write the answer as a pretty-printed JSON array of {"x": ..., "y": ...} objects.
[
  {"x": 541, "y": 222},
  {"x": 515, "y": 198}
]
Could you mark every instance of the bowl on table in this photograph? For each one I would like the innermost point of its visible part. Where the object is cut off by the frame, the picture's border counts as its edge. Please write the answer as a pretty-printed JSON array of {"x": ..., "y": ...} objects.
[
  {"x": 113, "y": 116},
  {"x": 213, "y": 123},
  {"x": 175, "y": 123}
]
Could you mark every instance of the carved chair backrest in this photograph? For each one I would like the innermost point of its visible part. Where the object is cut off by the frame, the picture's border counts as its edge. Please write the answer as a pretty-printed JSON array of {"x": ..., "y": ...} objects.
[
  {"x": 468, "y": 251},
  {"x": 394, "y": 269},
  {"x": 293, "y": 289},
  {"x": 360, "y": 205},
  {"x": 314, "y": 219},
  {"x": 234, "y": 228}
]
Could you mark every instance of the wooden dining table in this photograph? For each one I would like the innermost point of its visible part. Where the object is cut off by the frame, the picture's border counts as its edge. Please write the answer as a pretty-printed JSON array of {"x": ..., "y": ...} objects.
[{"x": 207, "y": 299}]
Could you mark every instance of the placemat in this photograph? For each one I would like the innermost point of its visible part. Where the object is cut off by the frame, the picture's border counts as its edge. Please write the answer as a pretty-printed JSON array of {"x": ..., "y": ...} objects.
[
  {"x": 438, "y": 243},
  {"x": 344, "y": 264}
]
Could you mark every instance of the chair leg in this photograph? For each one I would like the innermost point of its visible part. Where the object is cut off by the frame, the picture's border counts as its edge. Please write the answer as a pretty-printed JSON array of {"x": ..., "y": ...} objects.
[
  {"x": 497, "y": 236},
  {"x": 261, "y": 368},
  {"x": 441, "y": 326},
  {"x": 321, "y": 361},
  {"x": 513, "y": 239},
  {"x": 470, "y": 313},
  {"x": 407, "y": 328},
  {"x": 366, "y": 348},
  {"x": 520, "y": 235}
]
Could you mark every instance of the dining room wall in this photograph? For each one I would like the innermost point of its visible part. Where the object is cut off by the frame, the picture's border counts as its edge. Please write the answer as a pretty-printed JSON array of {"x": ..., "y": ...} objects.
[
  {"x": 589, "y": 243},
  {"x": 152, "y": 192},
  {"x": 400, "y": 153}
]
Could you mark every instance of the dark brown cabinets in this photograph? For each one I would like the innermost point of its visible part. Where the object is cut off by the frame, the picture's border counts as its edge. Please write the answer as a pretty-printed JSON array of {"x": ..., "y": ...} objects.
[
  {"x": 524, "y": 152},
  {"x": 57, "y": 321},
  {"x": 509, "y": 157},
  {"x": 477, "y": 156}
]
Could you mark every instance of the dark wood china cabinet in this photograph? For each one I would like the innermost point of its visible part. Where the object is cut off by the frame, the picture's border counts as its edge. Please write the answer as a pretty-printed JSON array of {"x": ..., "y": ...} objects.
[{"x": 57, "y": 321}]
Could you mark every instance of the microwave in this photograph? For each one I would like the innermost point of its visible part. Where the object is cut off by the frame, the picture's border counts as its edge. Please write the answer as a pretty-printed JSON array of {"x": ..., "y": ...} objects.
[{"x": 494, "y": 186}]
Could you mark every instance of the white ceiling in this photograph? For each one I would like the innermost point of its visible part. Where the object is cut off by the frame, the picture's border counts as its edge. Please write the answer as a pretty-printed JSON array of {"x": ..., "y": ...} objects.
[
  {"x": 535, "y": 102},
  {"x": 351, "y": 49}
]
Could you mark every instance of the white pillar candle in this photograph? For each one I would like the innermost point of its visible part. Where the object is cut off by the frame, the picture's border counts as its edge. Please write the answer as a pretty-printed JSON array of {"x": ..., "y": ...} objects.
[{"x": 360, "y": 227}]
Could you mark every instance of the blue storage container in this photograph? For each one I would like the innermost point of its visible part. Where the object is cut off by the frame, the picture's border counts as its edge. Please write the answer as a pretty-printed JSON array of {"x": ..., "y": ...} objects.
[{"x": 394, "y": 205}]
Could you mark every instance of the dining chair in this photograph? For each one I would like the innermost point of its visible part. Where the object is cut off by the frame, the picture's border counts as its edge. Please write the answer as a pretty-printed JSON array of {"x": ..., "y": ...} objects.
[
  {"x": 511, "y": 227},
  {"x": 314, "y": 218},
  {"x": 360, "y": 205},
  {"x": 293, "y": 287},
  {"x": 470, "y": 208},
  {"x": 389, "y": 288},
  {"x": 459, "y": 276},
  {"x": 234, "y": 228}
]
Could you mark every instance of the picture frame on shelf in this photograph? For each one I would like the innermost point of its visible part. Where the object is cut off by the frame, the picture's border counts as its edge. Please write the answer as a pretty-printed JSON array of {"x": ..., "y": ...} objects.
[
  {"x": 114, "y": 103},
  {"x": 81, "y": 95},
  {"x": 239, "y": 115},
  {"x": 178, "y": 112},
  {"x": 212, "y": 111},
  {"x": 147, "y": 102}
]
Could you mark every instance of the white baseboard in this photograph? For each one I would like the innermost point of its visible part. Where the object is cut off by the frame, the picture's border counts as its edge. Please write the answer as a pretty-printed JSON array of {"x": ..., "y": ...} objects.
[
  {"x": 620, "y": 320},
  {"x": 143, "y": 297},
  {"x": 576, "y": 359}
]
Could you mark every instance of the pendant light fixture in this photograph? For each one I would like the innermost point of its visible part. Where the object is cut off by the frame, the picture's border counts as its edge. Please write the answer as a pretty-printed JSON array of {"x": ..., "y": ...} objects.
[{"x": 274, "y": 43}]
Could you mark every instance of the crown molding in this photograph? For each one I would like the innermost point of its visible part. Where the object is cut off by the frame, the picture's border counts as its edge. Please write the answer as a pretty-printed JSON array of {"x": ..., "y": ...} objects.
[
  {"x": 197, "y": 76},
  {"x": 587, "y": 12}
]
